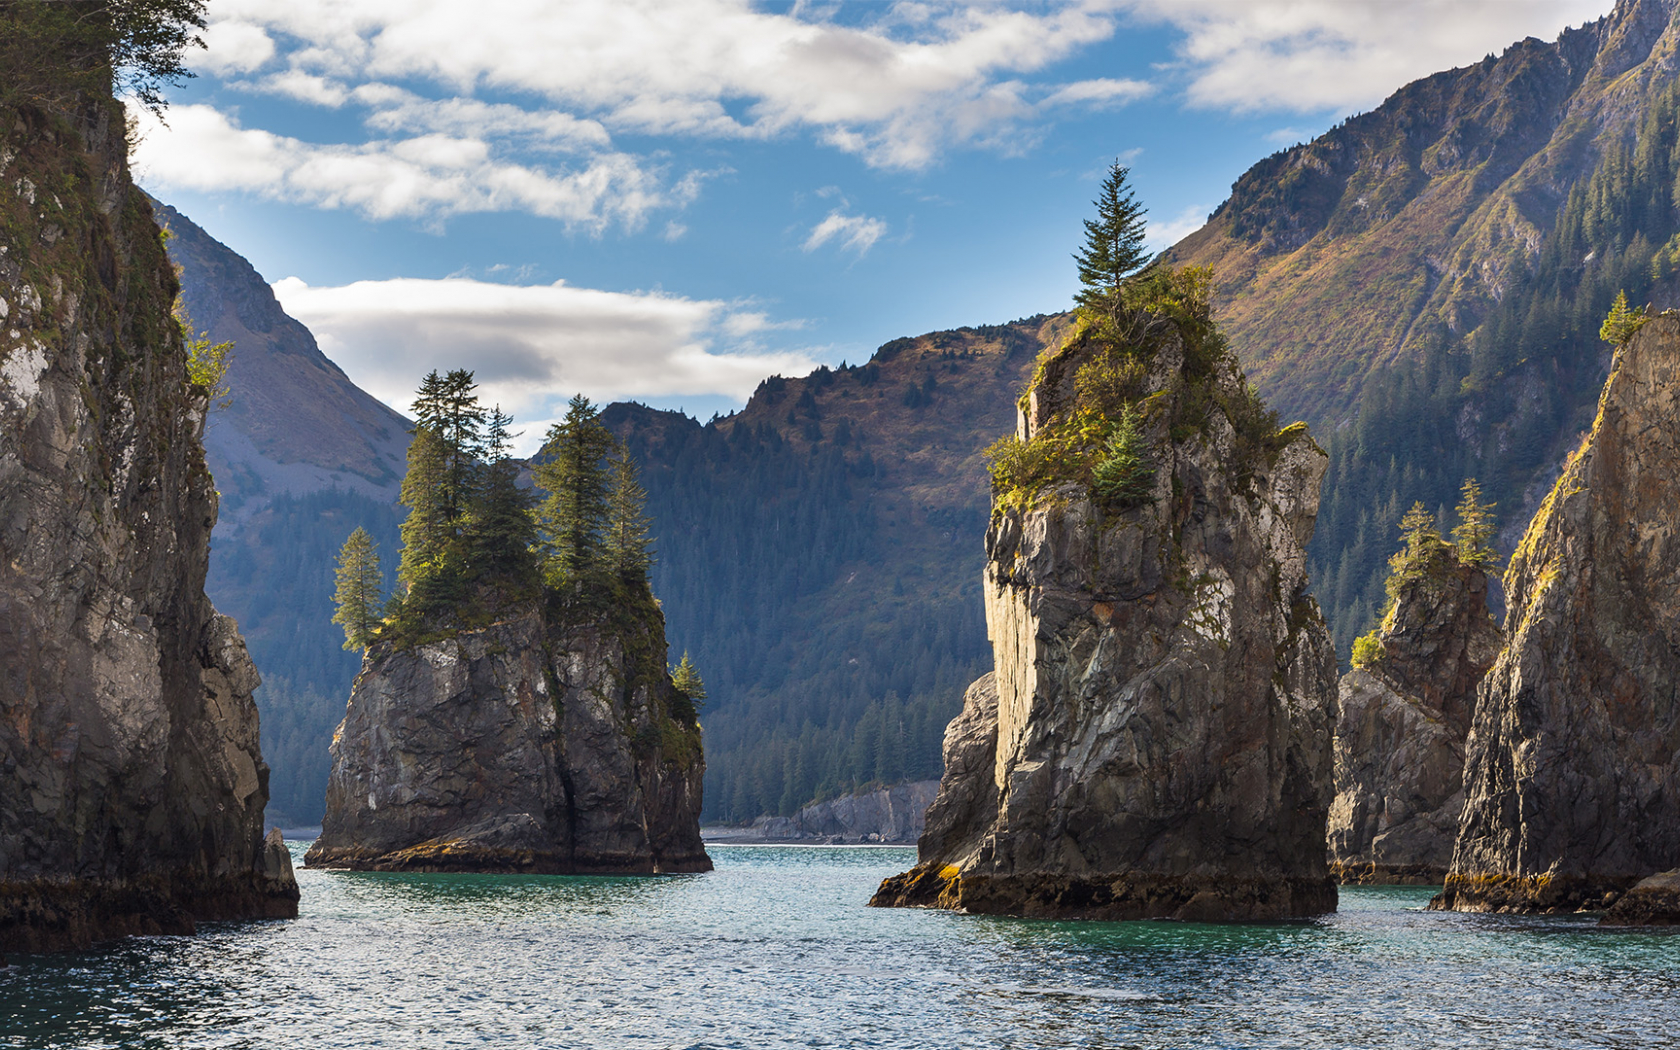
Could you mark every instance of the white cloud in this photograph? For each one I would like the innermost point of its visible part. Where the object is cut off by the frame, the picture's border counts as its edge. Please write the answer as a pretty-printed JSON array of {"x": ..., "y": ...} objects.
[
  {"x": 857, "y": 233},
  {"x": 233, "y": 47},
  {"x": 1101, "y": 92},
  {"x": 1162, "y": 235},
  {"x": 1312, "y": 55},
  {"x": 532, "y": 347},
  {"x": 424, "y": 176},
  {"x": 898, "y": 88}
]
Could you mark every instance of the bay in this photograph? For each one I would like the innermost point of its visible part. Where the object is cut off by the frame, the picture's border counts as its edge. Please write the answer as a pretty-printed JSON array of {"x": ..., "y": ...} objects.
[{"x": 776, "y": 949}]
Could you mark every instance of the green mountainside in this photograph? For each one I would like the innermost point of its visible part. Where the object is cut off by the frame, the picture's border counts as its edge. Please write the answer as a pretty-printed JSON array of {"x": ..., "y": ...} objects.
[
  {"x": 819, "y": 555},
  {"x": 1424, "y": 283}
]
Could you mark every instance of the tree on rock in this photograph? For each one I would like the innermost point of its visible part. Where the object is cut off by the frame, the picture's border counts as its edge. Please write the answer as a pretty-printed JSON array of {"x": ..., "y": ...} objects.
[
  {"x": 1113, "y": 245},
  {"x": 628, "y": 540},
  {"x": 500, "y": 533},
  {"x": 359, "y": 595},
  {"x": 574, "y": 472},
  {"x": 687, "y": 681},
  {"x": 1475, "y": 528}
]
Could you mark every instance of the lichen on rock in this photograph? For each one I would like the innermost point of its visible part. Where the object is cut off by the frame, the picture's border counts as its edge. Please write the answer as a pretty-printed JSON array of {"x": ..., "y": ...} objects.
[
  {"x": 1154, "y": 739},
  {"x": 132, "y": 780},
  {"x": 1574, "y": 752}
]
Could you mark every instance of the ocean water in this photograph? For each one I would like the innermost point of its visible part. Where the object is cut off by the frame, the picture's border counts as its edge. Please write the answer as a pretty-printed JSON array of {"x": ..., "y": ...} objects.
[{"x": 776, "y": 949}]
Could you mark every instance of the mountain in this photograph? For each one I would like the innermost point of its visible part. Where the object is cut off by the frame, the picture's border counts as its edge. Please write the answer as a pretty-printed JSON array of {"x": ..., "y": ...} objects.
[
  {"x": 820, "y": 554},
  {"x": 301, "y": 456},
  {"x": 1424, "y": 283}
]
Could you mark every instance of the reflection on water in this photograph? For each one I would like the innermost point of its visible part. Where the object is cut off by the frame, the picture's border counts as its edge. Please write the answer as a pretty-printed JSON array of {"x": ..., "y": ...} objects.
[{"x": 774, "y": 949}]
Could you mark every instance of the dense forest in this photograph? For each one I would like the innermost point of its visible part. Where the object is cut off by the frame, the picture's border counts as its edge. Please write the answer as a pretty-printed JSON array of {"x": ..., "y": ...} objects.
[{"x": 1535, "y": 365}]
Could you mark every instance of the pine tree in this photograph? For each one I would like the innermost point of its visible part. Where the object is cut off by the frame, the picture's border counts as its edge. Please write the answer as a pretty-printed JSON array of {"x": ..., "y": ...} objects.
[
  {"x": 573, "y": 472},
  {"x": 428, "y": 533},
  {"x": 447, "y": 405},
  {"x": 629, "y": 547},
  {"x": 1123, "y": 476},
  {"x": 1622, "y": 322},
  {"x": 359, "y": 585},
  {"x": 1475, "y": 528},
  {"x": 1113, "y": 245},
  {"x": 500, "y": 533},
  {"x": 1423, "y": 546},
  {"x": 687, "y": 680}
]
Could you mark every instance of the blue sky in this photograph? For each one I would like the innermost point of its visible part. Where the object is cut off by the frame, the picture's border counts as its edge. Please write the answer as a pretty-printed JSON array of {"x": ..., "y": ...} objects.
[{"x": 668, "y": 202}]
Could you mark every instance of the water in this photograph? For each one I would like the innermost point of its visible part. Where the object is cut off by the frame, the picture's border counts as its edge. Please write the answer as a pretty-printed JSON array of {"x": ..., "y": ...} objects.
[{"x": 775, "y": 949}]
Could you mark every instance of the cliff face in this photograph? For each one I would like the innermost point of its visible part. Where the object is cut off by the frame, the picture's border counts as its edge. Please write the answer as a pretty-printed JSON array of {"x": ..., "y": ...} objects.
[
  {"x": 527, "y": 746},
  {"x": 1574, "y": 752},
  {"x": 1154, "y": 741},
  {"x": 1400, "y": 729},
  {"x": 129, "y": 765}
]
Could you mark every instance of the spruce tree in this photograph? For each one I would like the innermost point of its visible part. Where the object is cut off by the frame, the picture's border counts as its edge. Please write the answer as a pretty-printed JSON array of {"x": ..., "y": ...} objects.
[
  {"x": 428, "y": 533},
  {"x": 687, "y": 680},
  {"x": 1123, "y": 476},
  {"x": 573, "y": 471},
  {"x": 500, "y": 534},
  {"x": 1113, "y": 245},
  {"x": 629, "y": 547},
  {"x": 447, "y": 405},
  {"x": 1475, "y": 528},
  {"x": 358, "y": 595}
]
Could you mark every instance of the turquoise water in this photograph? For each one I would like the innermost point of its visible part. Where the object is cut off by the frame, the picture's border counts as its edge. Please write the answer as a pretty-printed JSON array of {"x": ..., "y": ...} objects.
[{"x": 775, "y": 949}]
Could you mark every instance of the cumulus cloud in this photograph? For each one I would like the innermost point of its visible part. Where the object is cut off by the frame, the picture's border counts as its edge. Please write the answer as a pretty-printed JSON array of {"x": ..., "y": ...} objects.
[
  {"x": 1159, "y": 236},
  {"x": 426, "y": 175},
  {"x": 533, "y": 346},
  {"x": 897, "y": 88},
  {"x": 1311, "y": 55},
  {"x": 856, "y": 233}
]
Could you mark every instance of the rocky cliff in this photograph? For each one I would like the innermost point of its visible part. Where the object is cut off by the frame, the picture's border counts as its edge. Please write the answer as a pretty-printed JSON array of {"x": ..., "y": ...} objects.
[
  {"x": 537, "y": 744},
  {"x": 132, "y": 782},
  {"x": 1155, "y": 738},
  {"x": 1573, "y": 757},
  {"x": 1401, "y": 723}
]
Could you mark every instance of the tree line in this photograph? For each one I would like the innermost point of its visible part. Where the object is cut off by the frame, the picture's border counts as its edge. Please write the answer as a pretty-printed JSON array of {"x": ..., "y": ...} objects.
[{"x": 475, "y": 542}]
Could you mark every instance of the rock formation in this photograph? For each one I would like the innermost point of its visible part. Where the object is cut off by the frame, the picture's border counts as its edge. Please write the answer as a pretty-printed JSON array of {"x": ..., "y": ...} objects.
[
  {"x": 131, "y": 784},
  {"x": 531, "y": 745},
  {"x": 1155, "y": 739},
  {"x": 1572, "y": 771},
  {"x": 1401, "y": 723}
]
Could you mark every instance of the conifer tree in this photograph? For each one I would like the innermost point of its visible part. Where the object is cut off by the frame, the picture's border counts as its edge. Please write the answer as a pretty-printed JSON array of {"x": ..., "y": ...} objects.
[
  {"x": 1423, "y": 545},
  {"x": 1475, "y": 528},
  {"x": 574, "y": 473},
  {"x": 687, "y": 680},
  {"x": 358, "y": 595},
  {"x": 1123, "y": 476},
  {"x": 1621, "y": 322},
  {"x": 500, "y": 533},
  {"x": 428, "y": 532},
  {"x": 447, "y": 405},
  {"x": 629, "y": 547},
  {"x": 1113, "y": 245}
]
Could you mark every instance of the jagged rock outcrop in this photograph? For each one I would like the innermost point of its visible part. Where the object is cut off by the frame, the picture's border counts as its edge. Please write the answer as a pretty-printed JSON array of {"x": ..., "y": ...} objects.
[
  {"x": 1401, "y": 724},
  {"x": 1155, "y": 738},
  {"x": 889, "y": 816},
  {"x": 1572, "y": 770},
  {"x": 131, "y": 783},
  {"x": 531, "y": 745}
]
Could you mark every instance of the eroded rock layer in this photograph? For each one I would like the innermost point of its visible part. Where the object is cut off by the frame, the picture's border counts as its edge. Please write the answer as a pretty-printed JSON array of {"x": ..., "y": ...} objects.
[
  {"x": 1155, "y": 738},
  {"x": 131, "y": 783},
  {"x": 1401, "y": 724},
  {"x": 1572, "y": 771},
  {"x": 526, "y": 746}
]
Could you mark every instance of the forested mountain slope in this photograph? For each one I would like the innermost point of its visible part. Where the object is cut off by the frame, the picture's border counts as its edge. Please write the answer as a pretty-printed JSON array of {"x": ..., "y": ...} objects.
[
  {"x": 1424, "y": 283},
  {"x": 301, "y": 456},
  {"x": 820, "y": 556}
]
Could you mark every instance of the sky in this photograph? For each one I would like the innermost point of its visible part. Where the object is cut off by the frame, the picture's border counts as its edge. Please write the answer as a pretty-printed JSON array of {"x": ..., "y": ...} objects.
[{"x": 667, "y": 202}]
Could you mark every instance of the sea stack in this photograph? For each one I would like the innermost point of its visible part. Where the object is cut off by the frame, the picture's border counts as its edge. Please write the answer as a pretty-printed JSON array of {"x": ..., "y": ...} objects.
[
  {"x": 1154, "y": 741},
  {"x": 1401, "y": 723},
  {"x": 545, "y": 743},
  {"x": 131, "y": 783},
  {"x": 1572, "y": 768}
]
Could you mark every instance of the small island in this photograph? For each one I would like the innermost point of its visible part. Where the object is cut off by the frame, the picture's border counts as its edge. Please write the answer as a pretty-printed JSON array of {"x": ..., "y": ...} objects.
[{"x": 514, "y": 711}]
